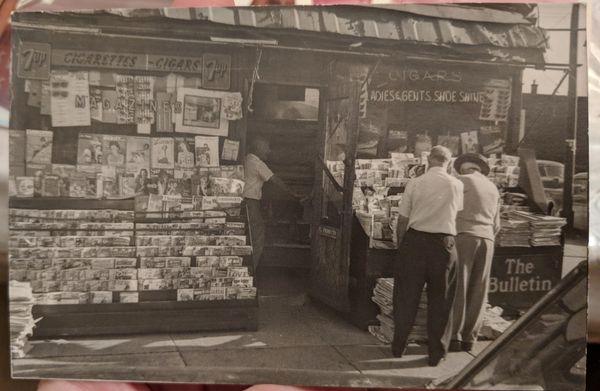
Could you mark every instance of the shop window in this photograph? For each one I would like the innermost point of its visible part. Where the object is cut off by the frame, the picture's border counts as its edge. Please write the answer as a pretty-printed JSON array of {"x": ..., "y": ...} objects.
[{"x": 292, "y": 103}]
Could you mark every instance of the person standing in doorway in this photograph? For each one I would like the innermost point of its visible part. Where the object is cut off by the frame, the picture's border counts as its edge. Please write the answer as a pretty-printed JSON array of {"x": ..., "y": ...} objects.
[
  {"x": 427, "y": 255},
  {"x": 257, "y": 173},
  {"x": 477, "y": 225}
]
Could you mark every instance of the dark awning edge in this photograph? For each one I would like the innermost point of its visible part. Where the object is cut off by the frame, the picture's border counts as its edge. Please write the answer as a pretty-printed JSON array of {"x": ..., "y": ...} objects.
[{"x": 508, "y": 43}]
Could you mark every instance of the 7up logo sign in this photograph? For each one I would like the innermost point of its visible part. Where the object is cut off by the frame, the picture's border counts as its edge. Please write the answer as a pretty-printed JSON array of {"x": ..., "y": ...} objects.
[{"x": 33, "y": 61}]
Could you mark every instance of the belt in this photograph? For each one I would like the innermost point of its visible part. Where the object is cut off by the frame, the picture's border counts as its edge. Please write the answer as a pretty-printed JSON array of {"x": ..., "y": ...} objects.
[{"x": 432, "y": 234}]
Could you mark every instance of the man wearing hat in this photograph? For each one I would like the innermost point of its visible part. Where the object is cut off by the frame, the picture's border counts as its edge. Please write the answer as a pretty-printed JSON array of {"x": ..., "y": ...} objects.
[
  {"x": 427, "y": 254},
  {"x": 477, "y": 225}
]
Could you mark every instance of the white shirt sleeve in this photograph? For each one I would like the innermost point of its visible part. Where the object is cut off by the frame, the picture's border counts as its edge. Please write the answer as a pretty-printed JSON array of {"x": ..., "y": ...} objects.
[
  {"x": 405, "y": 206},
  {"x": 263, "y": 171},
  {"x": 460, "y": 195}
]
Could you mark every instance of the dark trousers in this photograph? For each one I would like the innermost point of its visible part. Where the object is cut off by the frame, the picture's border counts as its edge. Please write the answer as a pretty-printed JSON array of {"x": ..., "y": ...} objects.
[
  {"x": 425, "y": 258},
  {"x": 257, "y": 230}
]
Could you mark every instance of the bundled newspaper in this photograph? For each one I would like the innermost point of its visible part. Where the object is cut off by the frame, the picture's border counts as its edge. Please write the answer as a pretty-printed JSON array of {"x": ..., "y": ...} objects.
[
  {"x": 21, "y": 319},
  {"x": 523, "y": 229},
  {"x": 383, "y": 296}
]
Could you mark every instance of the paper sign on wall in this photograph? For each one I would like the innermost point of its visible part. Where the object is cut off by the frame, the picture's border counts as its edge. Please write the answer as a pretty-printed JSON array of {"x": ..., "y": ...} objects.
[{"x": 70, "y": 99}]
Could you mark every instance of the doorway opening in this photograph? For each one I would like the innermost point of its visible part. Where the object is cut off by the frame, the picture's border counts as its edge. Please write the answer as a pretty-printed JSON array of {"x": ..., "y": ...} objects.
[{"x": 289, "y": 117}]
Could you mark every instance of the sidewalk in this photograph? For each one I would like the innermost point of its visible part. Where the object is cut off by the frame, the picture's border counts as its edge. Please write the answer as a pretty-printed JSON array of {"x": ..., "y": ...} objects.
[{"x": 317, "y": 345}]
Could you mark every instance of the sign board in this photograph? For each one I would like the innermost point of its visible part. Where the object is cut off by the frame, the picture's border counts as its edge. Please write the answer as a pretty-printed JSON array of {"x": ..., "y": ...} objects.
[
  {"x": 216, "y": 71},
  {"x": 520, "y": 278},
  {"x": 33, "y": 61},
  {"x": 328, "y": 232},
  {"x": 113, "y": 60}
]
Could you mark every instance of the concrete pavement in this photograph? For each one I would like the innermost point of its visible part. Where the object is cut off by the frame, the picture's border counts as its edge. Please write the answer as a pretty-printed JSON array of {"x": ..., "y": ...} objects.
[{"x": 310, "y": 343}]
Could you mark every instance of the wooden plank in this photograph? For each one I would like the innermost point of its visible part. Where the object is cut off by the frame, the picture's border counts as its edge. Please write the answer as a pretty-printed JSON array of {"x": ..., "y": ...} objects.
[
  {"x": 139, "y": 321},
  {"x": 63, "y": 309},
  {"x": 70, "y": 203}
]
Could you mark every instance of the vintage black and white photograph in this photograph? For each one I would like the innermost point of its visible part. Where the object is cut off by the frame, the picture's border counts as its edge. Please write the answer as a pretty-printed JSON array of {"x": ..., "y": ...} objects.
[{"x": 379, "y": 196}]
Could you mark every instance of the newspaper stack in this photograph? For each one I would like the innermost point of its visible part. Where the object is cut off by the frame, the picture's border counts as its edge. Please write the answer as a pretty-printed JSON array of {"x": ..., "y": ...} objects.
[
  {"x": 21, "y": 320},
  {"x": 514, "y": 231},
  {"x": 383, "y": 297},
  {"x": 545, "y": 230}
]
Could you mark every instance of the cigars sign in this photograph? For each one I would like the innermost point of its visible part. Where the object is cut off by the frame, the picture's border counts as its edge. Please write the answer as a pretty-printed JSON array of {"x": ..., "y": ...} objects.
[
  {"x": 520, "y": 280},
  {"x": 35, "y": 60}
]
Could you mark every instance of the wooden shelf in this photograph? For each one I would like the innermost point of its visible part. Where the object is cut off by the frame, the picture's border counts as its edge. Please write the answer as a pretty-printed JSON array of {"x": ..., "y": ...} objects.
[
  {"x": 69, "y": 203},
  {"x": 144, "y": 318}
]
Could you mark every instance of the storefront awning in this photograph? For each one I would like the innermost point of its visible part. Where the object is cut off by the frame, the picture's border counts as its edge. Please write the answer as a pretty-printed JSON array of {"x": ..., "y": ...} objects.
[
  {"x": 444, "y": 28},
  {"x": 461, "y": 27}
]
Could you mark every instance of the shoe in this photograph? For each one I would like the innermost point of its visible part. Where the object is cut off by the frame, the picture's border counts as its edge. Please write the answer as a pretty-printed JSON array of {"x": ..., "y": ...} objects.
[
  {"x": 467, "y": 346},
  {"x": 434, "y": 361},
  {"x": 397, "y": 352},
  {"x": 455, "y": 346}
]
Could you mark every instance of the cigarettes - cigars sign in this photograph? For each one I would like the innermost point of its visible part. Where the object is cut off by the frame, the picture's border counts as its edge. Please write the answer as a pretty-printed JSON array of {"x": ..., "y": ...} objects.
[{"x": 35, "y": 60}]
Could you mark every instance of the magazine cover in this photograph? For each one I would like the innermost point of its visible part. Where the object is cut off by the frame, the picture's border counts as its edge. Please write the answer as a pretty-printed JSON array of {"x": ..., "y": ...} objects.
[
  {"x": 90, "y": 149},
  {"x": 24, "y": 186},
  {"x": 138, "y": 153},
  {"x": 450, "y": 142},
  {"x": 337, "y": 281},
  {"x": 114, "y": 149},
  {"x": 78, "y": 185},
  {"x": 39, "y": 147},
  {"x": 491, "y": 139},
  {"x": 163, "y": 155},
  {"x": 422, "y": 144},
  {"x": 207, "y": 151},
  {"x": 17, "y": 143},
  {"x": 158, "y": 180},
  {"x": 184, "y": 153},
  {"x": 469, "y": 142},
  {"x": 127, "y": 184},
  {"x": 51, "y": 186}
]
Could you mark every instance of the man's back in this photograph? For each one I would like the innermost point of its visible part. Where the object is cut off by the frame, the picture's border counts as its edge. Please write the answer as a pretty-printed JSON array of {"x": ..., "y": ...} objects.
[
  {"x": 481, "y": 200},
  {"x": 432, "y": 202}
]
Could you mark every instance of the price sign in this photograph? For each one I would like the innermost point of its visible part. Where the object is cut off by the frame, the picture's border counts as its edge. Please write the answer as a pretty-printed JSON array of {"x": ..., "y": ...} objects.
[{"x": 33, "y": 61}]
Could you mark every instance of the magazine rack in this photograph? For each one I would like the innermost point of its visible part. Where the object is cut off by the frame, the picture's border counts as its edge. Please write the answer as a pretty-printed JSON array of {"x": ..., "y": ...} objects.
[{"x": 156, "y": 311}]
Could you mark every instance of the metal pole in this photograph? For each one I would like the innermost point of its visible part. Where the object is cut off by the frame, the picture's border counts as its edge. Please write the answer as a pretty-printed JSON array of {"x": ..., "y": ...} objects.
[{"x": 571, "y": 128}]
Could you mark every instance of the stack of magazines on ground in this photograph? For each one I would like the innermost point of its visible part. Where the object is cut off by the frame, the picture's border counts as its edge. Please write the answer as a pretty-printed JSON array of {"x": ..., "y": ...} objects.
[
  {"x": 383, "y": 297},
  {"x": 21, "y": 320},
  {"x": 493, "y": 324}
]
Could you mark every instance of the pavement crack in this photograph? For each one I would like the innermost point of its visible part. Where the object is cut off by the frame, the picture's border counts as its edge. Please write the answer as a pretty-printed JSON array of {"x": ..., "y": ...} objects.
[
  {"x": 346, "y": 359},
  {"x": 179, "y": 352}
]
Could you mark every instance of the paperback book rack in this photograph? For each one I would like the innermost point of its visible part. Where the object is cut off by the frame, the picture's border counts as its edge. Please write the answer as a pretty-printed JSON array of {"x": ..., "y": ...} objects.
[{"x": 171, "y": 271}]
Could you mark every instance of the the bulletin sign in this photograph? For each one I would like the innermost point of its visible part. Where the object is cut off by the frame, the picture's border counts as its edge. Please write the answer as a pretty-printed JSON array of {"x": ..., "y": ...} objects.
[
  {"x": 33, "y": 61},
  {"x": 520, "y": 278}
]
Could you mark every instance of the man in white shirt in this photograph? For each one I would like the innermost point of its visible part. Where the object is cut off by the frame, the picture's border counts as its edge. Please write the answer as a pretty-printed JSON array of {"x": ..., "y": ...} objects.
[
  {"x": 257, "y": 173},
  {"x": 427, "y": 254}
]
